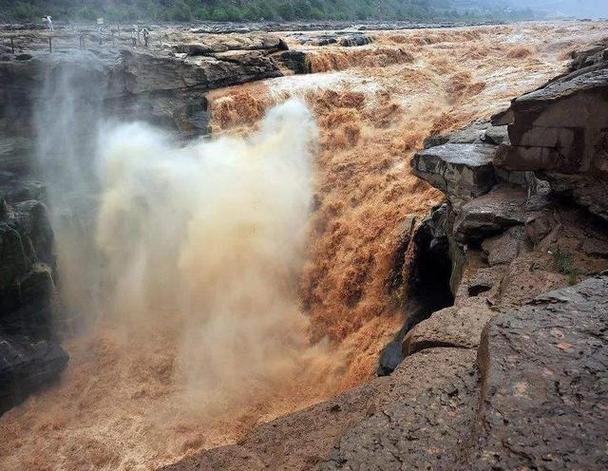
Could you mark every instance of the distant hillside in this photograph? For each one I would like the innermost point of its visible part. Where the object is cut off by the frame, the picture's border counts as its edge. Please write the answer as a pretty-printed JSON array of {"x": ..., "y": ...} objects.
[{"x": 236, "y": 10}]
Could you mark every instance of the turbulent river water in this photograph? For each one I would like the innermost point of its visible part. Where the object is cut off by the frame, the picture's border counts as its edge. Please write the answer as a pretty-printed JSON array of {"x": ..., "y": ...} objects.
[{"x": 245, "y": 276}]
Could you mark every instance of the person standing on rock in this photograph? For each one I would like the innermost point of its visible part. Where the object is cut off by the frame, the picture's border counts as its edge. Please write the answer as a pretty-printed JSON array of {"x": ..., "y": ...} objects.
[{"x": 49, "y": 22}]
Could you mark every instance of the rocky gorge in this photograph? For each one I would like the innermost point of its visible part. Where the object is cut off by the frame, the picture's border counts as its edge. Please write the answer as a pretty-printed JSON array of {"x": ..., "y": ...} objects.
[{"x": 494, "y": 354}]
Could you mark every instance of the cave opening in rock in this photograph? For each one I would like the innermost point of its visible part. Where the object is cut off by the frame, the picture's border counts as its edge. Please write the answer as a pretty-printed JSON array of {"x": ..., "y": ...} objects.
[
  {"x": 429, "y": 284},
  {"x": 428, "y": 288}
]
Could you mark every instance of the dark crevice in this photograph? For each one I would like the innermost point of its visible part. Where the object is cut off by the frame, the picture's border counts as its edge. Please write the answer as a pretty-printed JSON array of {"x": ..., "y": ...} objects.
[{"x": 428, "y": 285}]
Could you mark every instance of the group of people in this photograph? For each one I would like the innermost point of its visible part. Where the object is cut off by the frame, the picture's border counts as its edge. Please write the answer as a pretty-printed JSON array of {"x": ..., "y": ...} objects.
[{"x": 134, "y": 33}]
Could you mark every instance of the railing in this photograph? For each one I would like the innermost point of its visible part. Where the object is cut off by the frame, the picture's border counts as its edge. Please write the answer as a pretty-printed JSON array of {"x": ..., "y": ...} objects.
[{"x": 81, "y": 38}]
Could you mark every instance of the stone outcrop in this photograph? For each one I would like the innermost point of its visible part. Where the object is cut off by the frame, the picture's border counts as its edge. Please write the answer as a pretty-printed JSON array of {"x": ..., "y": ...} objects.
[
  {"x": 462, "y": 171},
  {"x": 165, "y": 85},
  {"x": 26, "y": 365},
  {"x": 212, "y": 43},
  {"x": 593, "y": 55},
  {"x": 29, "y": 356},
  {"x": 544, "y": 384},
  {"x": 146, "y": 72},
  {"x": 458, "y": 327},
  {"x": 344, "y": 39},
  {"x": 560, "y": 131},
  {"x": 492, "y": 213},
  {"x": 475, "y": 133},
  {"x": 423, "y": 425}
]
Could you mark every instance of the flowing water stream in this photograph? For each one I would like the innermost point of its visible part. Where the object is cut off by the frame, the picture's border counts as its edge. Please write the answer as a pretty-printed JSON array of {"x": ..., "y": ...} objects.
[{"x": 217, "y": 284}]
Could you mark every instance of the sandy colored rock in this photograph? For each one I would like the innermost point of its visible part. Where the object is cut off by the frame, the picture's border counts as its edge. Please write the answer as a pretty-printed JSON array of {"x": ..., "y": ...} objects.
[
  {"x": 544, "y": 384},
  {"x": 424, "y": 426},
  {"x": 451, "y": 327}
]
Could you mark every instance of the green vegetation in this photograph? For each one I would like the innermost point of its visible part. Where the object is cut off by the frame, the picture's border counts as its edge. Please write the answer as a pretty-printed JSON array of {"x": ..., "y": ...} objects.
[
  {"x": 564, "y": 263},
  {"x": 249, "y": 10}
]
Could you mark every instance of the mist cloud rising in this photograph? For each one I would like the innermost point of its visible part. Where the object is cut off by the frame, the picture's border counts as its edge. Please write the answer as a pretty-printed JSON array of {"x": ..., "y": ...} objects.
[{"x": 207, "y": 240}]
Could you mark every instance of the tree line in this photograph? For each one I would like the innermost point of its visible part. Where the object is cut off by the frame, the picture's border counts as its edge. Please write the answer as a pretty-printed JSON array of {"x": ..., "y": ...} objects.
[{"x": 246, "y": 10}]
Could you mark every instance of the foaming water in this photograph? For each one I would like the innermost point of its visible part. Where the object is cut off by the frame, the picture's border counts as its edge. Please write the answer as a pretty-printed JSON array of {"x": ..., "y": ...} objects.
[
  {"x": 198, "y": 332},
  {"x": 209, "y": 239}
]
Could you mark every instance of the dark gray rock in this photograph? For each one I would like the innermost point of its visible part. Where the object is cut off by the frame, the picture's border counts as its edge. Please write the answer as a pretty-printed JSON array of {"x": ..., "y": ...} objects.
[
  {"x": 424, "y": 426},
  {"x": 146, "y": 72},
  {"x": 343, "y": 39},
  {"x": 502, "y": 249},
  {"x": 461, "y": 171},
  {"x": 560, "y": 132},
  {"x": 390, "y": 358},
  {"x": 295, "y": 61},
  {"x": 472, "y": 134},
  {"x": 27, "y": 358},
  {"x": 490, "y": 214},
  {"x": 496, "y": 135},
  {"x": 545, "y": 384},
  {"x": 355, "y": 40},
  {"x": 26, "y": 238},
  {"x": 25, "y": 366},
  {"x": 594, "y": 55}
]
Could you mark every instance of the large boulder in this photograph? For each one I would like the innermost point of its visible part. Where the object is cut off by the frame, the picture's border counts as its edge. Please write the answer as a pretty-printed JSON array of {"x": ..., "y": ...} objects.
[
  {"x": 492, "y": 213},
  {"x": 157, "y": 72},
  {"x": 544, "y": 384},
  {"x": 28, "y": 358},
  {"x": 26, "y": 365},
  {"x": 560, "y": 132},
  {"x": 344, "y": 39},
  {"x": 596, "y": 54},
  {"x": 461, "y": 171},
  {"x": 424, "y": 426},
  {"x": 27, "y": 261},
  {"x": 505, "y": 247},
  {"x": 458, "y": 327}
]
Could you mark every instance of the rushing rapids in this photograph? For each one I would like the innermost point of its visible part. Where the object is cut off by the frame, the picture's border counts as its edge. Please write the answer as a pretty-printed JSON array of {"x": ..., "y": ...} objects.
[{"x": 165, "y": 370}]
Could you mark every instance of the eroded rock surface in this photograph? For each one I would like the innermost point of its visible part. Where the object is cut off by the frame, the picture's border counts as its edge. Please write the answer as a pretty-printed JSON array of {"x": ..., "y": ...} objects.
[
  {"x": 458, "y": 327},
  {"x": 436, "y": 402},
  {"x": 462, "y": 171},
  {"x": 560, "y": 131},
  {"x": 544, "y": 384},
  {"x": 29, "y": 357},
  {"x": 25, "y": 366}
]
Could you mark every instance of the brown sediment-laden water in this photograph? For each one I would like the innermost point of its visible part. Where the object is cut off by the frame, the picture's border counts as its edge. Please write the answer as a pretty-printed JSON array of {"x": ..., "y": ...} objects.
[{"x": 245, "y": 276}]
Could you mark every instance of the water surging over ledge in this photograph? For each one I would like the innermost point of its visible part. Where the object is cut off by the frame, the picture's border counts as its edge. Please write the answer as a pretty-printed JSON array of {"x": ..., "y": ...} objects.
[
  {"x": 206, "y": 241},
  {"x": 181, "y": 265}
]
